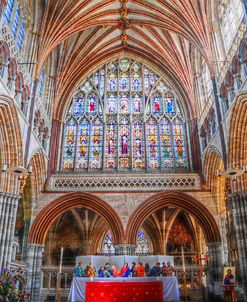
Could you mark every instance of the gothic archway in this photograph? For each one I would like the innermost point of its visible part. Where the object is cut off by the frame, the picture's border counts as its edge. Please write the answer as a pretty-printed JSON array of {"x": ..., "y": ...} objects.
[
  {"x": 71, "y": 201},
  {"x": 237, "y": 148},
  {"x": 176, "y": 200}
]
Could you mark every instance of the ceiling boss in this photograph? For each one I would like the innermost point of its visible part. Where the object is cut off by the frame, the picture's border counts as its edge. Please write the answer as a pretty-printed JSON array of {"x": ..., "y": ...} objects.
[{"x": 124, "y": 23}]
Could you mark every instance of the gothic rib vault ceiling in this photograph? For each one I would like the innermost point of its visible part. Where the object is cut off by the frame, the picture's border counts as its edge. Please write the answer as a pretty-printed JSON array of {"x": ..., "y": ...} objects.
[{"x": 165, "y": 33}]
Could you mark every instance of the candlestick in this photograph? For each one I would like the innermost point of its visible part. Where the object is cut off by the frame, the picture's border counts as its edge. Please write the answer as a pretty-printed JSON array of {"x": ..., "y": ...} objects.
[
  {"x": 61, "y": 261},
  {"x": 183, "y": 260}
]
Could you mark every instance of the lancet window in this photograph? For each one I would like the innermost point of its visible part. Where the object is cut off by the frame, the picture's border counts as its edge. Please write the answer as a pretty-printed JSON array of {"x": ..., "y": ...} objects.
[
  {"x": 124, "y": 116},
  {"x": 142, "y": 243},
  {"x": 108, "y": 247}
]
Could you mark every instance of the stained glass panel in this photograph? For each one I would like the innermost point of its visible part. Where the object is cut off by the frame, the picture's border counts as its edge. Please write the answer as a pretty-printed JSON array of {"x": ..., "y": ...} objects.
[
  {"x": 70, "y": 143},
  {"x": 157, "y": 107},
  {"x": 83, "y": 144},
  {"x": 137, "y": 103},
  {"x": 138, "y": 147},
  {"x": 79, "y": 104},
  {"x": 108, "y": 247},
  {"x": 166, "y": 144},
  {"x": 124, "y": 65},
  {"x": 179, "y": 144},
  {"x": 111, "y": 144},
  {"x": 142, "y": 244},
  {"x": 124, "y": 84},
  {"x": 96, "y": 144},
  {"x": 102, "y": 82},
  {"x": 146, "y": 81},
  {"x": 124, "y": 148},
  {"x": 111, "y": 105},
  {"x": 170, "y": 105},
  {"x": 92, "y": 104},
  {"x": 124, "y": 102},
  {"x": 152, "y": 144}
]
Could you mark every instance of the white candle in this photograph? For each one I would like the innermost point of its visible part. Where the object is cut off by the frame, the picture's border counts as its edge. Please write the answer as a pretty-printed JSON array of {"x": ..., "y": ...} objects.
[
  {"x": 183, "y": 260},
  {"x": 61, "y": 261}
]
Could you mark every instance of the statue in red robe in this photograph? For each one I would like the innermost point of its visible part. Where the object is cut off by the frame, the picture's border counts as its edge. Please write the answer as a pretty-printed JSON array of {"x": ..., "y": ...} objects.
[
  {"x": 140, "y": 271},
  {"x": 125, "y": 271}
]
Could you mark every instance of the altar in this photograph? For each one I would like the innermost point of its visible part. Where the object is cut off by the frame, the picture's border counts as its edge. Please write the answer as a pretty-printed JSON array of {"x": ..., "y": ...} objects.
[{"x": 155, "y": 289}]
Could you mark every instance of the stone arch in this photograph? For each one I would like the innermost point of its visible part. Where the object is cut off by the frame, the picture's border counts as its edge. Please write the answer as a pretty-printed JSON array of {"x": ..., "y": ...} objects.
[
  {"x": 237, "y": 146},
  {"x": 59, "y": 206},
  {"x": 178, "y": 200},
  {"x": 34, "y": 182},
  {"x": 212, "y": 162},
  {"x": 11, "y": 148}
]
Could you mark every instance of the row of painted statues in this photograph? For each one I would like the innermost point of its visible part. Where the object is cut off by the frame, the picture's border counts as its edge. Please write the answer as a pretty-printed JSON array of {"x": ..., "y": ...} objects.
[{"x": 107, "y": 270}]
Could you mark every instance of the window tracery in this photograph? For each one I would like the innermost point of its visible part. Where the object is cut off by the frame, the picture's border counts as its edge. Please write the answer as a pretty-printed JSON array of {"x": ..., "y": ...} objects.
[
  {"x": 124, "y": 117},
  {"x": 9, "y": 9},
  {"x": 142, "y": 243},
  {"x": 108, "y": 247}
]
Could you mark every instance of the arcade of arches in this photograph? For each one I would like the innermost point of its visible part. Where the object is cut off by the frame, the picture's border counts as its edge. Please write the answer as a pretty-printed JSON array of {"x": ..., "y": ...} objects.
[{"x": 123, "y": 130}]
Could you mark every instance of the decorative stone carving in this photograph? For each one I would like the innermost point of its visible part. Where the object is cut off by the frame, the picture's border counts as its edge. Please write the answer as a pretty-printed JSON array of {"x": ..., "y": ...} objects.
[{"x": 123, "y": 182}]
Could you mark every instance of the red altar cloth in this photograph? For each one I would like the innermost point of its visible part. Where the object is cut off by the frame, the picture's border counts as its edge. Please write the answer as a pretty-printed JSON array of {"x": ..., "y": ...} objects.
[{"x": 124, "y": 291}]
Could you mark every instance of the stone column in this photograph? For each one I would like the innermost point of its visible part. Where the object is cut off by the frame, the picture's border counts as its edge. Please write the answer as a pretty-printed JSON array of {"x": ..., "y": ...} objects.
[
  {"x": 215, "y": 269},
  {"x": 34, "y": 265},
  {"x": 239, "y": 203},
  {"x": 27, "y": 221},
  {"x": 8, "y": 212}
]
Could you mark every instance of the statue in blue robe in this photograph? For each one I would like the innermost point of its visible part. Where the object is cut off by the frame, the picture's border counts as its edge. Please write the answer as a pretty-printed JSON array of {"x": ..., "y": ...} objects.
[
  {"x": 79, "y": 272},
  {"x": 156, "y": 270}
]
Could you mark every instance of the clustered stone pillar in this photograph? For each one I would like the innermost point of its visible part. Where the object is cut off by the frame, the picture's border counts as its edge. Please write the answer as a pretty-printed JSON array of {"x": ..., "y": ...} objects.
[
  {"x": 34, "y": 264},
  {"x": 8, "y": 212},
  {"x": 27, "y": 221},
  {"x": 215, "y": 268},
  {"x": 239, "y": 203}
]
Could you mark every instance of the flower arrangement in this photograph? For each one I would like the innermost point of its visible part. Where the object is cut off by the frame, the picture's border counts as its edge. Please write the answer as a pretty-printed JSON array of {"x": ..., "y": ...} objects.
[{"x": 8, "y": 290}]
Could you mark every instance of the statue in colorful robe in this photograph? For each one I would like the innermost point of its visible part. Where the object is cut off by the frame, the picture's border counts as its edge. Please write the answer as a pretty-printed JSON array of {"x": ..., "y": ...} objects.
[
  {"x": 169, "y": 269},
  {"x": 108, "y": 271},
  {"x": 133, "y": 269},
  {"x": 140, "y": 271},
  {"x": 91, "y": 270},
  {"x": 125, "y": 271},
  {"x": 114, "y": 271},
  {"x": 79, "y": 272},
  {"x": 156, "y": 270},
  {"x": 101, "y": 272}
]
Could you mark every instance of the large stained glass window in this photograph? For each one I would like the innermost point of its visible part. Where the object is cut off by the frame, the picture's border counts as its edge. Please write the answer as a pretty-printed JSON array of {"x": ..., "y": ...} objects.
[{"x": 124, "y": 117}]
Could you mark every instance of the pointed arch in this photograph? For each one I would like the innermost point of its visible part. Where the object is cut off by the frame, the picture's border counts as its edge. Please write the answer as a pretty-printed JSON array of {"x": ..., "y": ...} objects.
[
  {"x": 11, "y": 148},
  {"x": 237, "y": 147},
  {"x": 61, "y": 205},
  {"x": 177, "y": 200}
]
